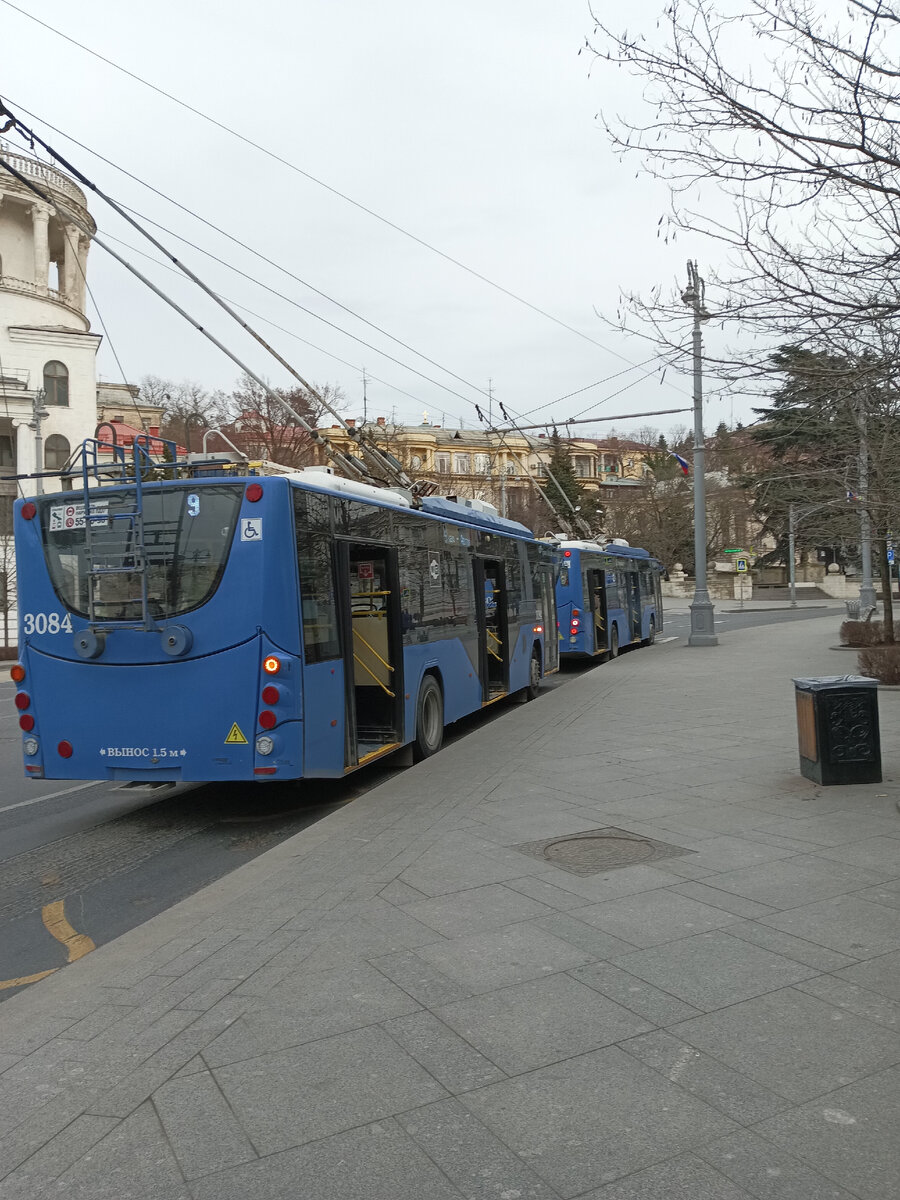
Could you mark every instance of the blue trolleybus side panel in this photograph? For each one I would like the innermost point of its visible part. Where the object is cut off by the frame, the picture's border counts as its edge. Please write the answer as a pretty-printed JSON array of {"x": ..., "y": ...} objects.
[{"x": 285, "y": 627}]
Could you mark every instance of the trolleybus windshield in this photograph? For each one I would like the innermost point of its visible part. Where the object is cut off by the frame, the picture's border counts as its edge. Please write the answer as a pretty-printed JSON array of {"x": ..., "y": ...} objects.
[{"x": 185, "y": 538}]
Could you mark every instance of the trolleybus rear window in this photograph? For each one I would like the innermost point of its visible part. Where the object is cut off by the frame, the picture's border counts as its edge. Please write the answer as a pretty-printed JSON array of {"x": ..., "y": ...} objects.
[{"x": 187, "y": 533}]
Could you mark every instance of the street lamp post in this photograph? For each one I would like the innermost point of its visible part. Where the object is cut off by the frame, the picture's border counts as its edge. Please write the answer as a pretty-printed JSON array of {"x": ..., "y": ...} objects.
[
  {"x": 702, "y": 620},
  {"x": 38, "y": 415}
]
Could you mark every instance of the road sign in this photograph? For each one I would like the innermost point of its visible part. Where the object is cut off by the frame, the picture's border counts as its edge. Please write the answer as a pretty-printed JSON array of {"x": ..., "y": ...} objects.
[
  {"x": 890, "y": 556},
  {"x": 740, "y": 565}
]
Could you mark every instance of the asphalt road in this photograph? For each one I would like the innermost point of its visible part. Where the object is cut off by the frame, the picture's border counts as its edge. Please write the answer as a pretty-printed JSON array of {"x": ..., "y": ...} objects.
[{"x": 81, "y": 864}]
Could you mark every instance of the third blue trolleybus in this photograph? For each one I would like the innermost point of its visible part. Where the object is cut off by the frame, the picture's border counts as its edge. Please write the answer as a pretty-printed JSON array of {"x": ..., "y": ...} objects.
[
  {"x": 191, "y": 624},
  {"x": 607, "y": 597}
]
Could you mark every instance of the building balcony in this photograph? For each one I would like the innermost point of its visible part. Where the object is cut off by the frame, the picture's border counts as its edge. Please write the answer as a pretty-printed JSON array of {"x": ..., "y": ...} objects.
[
  {"x": 43, "y": 174},
  {"x": 25, "y": 287}
]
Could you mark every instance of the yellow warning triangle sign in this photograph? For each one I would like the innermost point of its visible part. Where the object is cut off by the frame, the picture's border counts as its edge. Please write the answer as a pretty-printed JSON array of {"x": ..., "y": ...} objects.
[{"x": 235, "y": 737}]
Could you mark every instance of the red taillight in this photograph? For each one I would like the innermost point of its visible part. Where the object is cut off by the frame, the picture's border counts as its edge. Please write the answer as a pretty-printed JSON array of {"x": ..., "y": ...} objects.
[
  {"x": 29, "y": 511},
  {"x": 567, "y": 553},
  {"x": 270, "y": 695},
  {"x": 267, "y": 719},
  {"x": 26, "y": 723},
  {"x": 64, "y": 749},
  {"x": 22, "y": 700},
  {"x": 17, "y": 673},
  {"x": 254, "y": 492},
  {"x": 537, "y": 629},
  {"x": 264, "y": 770},
  {"x": 575, "y": 624},
  {"x": 576, "y": 612},
  {"x": 272, "y": 665}
]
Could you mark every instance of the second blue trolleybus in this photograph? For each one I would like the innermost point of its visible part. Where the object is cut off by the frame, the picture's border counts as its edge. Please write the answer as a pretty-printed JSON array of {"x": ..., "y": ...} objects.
[
  {"x": 607, "y": 597},
  {"x": 223, "y": 627}
]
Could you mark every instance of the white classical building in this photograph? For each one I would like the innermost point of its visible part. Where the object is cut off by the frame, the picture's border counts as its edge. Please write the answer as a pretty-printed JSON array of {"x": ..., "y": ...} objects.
[
  {"x": 45, "y": 341},
  {"x": 47, "y": 351}
]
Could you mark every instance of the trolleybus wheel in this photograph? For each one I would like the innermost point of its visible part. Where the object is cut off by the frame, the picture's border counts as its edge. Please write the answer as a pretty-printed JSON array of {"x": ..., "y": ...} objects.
[
  {"x": 530, "y": 691},
  {"x": 651, "y": 633},
  {"x": 429, "y": 719},
  {"x": 614, "y": 642}
]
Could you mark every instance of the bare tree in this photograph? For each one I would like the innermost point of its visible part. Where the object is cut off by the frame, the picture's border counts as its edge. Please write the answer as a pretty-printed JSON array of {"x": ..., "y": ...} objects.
[
  {"x": 263, "y": 428},
  {"x": 787, "y": 107}
]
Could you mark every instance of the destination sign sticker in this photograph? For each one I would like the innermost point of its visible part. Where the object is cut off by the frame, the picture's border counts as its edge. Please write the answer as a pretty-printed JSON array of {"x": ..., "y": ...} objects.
[{"x": 71, "y": 516}]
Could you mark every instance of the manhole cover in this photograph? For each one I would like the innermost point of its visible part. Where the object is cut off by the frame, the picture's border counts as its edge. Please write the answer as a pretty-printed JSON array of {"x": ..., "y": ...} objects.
[
  {"x": 596, "y": 852},
  {"x": 599, "y": 850}
]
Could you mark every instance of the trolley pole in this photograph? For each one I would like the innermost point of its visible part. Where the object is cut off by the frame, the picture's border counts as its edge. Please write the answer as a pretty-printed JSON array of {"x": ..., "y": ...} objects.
[{"x": 702, "y": 619}]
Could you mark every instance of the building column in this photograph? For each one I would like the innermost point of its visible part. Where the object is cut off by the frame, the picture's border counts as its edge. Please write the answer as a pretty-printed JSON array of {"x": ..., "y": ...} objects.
[
  {"x": 84, "y": 244},
  {"x": 40, "y": 218},
  {"x": 24, "y": 448},
  {"x": 69, "y": 282}
]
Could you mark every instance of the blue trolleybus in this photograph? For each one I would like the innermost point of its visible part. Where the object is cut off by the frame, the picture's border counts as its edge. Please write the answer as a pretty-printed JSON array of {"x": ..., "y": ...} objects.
[
  {"x": 607, "y": 597},
  {"x": 232, "y": 627}
]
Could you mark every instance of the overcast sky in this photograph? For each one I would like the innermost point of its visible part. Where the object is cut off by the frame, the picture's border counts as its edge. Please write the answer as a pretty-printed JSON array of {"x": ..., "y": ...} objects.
[{"x": 473, "y": 126}]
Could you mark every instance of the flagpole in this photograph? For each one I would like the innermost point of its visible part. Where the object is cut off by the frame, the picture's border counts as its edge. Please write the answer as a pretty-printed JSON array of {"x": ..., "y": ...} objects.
[{"x": 702, "y": 619}]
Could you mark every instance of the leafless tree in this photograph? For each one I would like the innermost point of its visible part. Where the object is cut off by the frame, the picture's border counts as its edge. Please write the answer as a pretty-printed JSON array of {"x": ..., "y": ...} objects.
[{"x": 786, "y": 110}]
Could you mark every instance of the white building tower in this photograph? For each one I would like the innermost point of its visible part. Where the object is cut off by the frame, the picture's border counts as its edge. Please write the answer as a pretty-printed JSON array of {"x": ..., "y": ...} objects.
[{"x": 47, "y": 352}]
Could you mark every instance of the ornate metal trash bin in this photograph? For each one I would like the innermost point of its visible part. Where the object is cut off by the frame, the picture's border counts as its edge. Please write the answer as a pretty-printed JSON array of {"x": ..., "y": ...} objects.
[{"x": 837, "y": 729}]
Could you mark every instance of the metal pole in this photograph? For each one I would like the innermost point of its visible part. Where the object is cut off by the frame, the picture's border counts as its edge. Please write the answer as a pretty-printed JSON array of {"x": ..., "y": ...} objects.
[
  {"x": 702, "y": 620},
  {"x": 38, "y": 413},
  {"x": 791, "y": 568},
  {"x": 866, "y": 588}
]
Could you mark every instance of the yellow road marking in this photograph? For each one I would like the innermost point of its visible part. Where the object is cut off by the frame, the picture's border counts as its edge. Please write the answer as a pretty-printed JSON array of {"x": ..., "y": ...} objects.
[
  {"x": 77, "y": 944},
  {"x": 11, "y": 983},
  {"x": 54, "y": 918}
]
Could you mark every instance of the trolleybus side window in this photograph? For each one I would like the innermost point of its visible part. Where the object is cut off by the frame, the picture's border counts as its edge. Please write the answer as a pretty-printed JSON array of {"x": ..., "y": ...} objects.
[{"x": 317, "y": 595}]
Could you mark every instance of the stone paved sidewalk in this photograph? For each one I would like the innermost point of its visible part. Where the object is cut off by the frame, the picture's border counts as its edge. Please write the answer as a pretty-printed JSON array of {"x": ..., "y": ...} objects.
[{"x": 408, "y": 1001}]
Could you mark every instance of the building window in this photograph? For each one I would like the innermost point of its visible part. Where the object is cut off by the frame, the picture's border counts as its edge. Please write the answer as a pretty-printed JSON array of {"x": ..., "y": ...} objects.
[
  {"x": 482, "y": 464},
  {"x": 462, "y": 464},
  {"x": 583, "y": 466},
  {"x": 56, "y": 384},
  {"x": 416, "y": 462},
  {"x": 7, "y": 458},
  {"x": 442, "y": 464},
  {"x": 56, "y": 452}
]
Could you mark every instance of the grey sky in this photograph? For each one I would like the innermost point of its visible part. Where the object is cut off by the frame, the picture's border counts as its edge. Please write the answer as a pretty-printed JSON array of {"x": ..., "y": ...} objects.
[{"x": 472, "y": 125}]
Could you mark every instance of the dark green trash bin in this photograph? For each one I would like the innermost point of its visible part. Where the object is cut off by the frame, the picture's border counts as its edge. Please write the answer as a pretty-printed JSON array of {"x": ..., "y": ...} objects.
[{"x": 837, "y": 729}]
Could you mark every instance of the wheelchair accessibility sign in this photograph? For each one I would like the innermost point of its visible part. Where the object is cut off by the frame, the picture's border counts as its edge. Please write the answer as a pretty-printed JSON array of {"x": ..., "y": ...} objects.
[{"x": 251, "y": 529}]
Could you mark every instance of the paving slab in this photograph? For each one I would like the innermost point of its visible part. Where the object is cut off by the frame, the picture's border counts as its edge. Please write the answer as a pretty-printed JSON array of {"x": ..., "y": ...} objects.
[{"x": 793, "y": 1043}]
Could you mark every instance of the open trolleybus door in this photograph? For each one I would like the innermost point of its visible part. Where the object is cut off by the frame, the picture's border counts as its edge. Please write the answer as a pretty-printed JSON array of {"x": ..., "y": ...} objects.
[
  {"x": 596, "y": 586},
  {"x": 492, "y": 614},
  {"x": 369, "y": 599}
]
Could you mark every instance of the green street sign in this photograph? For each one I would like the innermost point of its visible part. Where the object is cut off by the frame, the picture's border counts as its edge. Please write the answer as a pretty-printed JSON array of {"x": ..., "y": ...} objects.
[{"x": 735, "y": 551}]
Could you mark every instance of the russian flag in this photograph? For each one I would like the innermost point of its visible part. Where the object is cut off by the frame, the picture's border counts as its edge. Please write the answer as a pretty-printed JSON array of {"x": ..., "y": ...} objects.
[
  {"x": 852, "y": 496},
  {"x": 682, "y": 462}
]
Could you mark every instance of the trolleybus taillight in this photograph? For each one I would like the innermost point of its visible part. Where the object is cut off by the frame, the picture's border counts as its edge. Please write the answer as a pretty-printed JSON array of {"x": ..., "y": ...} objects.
[
  {"x": 272, "y": 665},
  {"x": 267, "y": 719},
  {"x": 26, "y": 723},
  {"x": 17, "y": 673},
  {"x": 64, "y": 749},
  {"x": 254, "y": 492},
  {"x": 270, "y": 695},
  {"x": 29, "y": 511},
  {"x": 22, "y": 700}
]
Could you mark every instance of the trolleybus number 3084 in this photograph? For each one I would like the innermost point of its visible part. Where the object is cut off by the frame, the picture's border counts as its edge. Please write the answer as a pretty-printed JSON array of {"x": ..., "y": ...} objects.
[{"x": 46, "y": 623}]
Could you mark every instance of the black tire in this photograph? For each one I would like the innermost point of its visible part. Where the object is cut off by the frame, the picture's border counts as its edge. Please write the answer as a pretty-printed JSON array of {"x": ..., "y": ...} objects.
[
  {"x": 429, "y": 720},
  {"x": 614, "y": 642},
  {"x": 535, "y": 674},
  {"x": 651, "y": 635}
]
